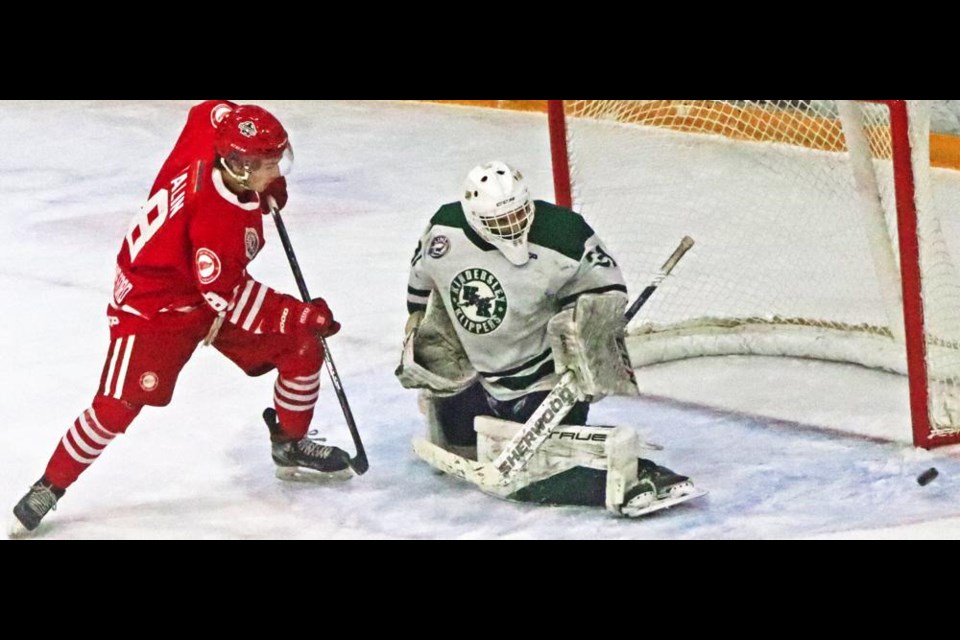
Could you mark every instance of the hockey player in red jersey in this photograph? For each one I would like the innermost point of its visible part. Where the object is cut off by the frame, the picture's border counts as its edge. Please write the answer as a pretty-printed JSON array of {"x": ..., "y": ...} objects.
[{"x": 181, "y": 280}]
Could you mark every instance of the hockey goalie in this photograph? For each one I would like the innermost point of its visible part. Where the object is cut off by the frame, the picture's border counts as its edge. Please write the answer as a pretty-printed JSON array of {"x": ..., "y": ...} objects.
[{"x": 516, "y": 325}]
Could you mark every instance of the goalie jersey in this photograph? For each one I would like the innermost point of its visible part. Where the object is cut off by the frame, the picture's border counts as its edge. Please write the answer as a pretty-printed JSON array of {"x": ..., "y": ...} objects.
[{"x": 500, "y": 311}]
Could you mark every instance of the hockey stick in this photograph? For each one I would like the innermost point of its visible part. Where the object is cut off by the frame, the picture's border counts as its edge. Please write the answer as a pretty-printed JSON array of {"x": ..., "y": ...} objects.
[
  {"x": 359, "y": 462},
  {"x": 665, "y": 270},
  {"x": 545, "y": 419},
  {"x": 565, "y": 395}
]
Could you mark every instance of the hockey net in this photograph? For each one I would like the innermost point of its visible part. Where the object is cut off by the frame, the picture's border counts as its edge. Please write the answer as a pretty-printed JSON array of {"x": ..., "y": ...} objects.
[{"x": 799, "y": 210}]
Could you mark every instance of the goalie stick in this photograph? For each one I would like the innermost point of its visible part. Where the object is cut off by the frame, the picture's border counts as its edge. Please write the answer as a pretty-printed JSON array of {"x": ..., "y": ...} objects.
[
  {"x": 359, "y": 462},
  {"x": 545, "y": 419}
]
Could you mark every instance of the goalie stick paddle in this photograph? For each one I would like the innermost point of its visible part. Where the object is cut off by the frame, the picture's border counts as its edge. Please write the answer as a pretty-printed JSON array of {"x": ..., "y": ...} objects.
[
  {"x": 548, "y": 415},
  {"x": 359, "y": 462}
]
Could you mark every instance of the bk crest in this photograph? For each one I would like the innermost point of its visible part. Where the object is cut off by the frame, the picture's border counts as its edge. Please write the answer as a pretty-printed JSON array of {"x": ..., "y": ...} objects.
[{"x": 478, "y": 300}]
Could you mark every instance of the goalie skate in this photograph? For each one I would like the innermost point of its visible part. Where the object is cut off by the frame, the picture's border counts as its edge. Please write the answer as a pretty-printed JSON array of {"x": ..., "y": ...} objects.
[
  {"x": 656, "y": 488},
  {"x": 645, "y": 501}
]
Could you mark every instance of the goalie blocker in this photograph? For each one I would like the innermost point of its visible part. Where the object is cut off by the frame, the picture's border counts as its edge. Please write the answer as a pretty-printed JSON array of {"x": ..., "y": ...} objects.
[{"x": 587, "y": 338}]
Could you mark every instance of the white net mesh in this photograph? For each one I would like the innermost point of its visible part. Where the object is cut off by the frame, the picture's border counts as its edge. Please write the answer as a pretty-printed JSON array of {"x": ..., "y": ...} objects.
[{"x": 791, "y": 258}]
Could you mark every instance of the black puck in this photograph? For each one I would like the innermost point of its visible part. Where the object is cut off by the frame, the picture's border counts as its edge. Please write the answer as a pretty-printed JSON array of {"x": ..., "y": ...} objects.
[{"x": 927, "y": 476}]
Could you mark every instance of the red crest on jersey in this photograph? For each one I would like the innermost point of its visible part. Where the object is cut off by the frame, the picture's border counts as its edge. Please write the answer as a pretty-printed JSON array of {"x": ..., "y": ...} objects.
[
  {"x": 208, "y": 266},
  {"x": 149, "y": 381}
]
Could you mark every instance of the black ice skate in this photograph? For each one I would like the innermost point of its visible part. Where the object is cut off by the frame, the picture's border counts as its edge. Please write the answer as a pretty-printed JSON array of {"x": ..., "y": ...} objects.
[
  {"x": 40, "y": 499},
  {"x": 667, "y": 483},
  {"x": 304, "y": 459},
  {"x": 657, "y": 488}
]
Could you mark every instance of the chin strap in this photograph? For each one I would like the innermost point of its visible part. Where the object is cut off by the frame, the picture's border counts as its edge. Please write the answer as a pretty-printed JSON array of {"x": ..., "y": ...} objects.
[{"x": 242, "y": 179}]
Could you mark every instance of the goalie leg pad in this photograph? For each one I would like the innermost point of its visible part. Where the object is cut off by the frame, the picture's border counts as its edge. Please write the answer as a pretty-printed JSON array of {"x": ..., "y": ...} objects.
[
  {"x": 572, "y": 467},
  {"x": 427, "y": 403},
  {"x": 586, "y": 465},
  {"x": 621, "y": 451}
]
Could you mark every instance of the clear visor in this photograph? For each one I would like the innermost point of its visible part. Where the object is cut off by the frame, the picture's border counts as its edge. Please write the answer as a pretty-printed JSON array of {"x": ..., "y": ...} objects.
[
  {"x": 283, "y": 162},
  {"x": 509, "y": 225},
  {"x": 286, "y": 160}
]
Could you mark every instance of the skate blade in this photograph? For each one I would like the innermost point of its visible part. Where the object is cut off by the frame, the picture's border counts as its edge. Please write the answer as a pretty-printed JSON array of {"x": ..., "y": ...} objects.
[
  {"x": 305, "y": 474},
  {"x": 635, "y": 509},
  {"x": 16, "y": 530},
  {"x": 679, "y": 490}
]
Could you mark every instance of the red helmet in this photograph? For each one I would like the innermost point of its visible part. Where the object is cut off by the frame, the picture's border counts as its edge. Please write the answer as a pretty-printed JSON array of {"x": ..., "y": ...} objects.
[{"x": 250, "y": 131}]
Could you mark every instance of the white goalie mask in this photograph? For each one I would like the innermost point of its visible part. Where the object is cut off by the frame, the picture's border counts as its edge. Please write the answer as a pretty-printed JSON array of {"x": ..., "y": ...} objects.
[{"x": 498, "y": 207}]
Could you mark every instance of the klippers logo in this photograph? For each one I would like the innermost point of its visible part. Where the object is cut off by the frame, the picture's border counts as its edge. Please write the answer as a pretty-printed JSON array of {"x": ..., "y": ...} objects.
[{"x": 478, "y": 300}]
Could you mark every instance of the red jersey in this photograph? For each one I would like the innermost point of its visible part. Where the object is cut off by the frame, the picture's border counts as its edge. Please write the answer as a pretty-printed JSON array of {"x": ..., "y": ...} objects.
[
  {"x": 197, "y": 138},
  {"x": 184, "y": 258}
]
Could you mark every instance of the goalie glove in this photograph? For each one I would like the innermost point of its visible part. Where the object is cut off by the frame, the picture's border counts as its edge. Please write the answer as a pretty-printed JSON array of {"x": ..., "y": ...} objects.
[
  {"x": 588, "y": 339},
  {"x": 433, "y": 357}
]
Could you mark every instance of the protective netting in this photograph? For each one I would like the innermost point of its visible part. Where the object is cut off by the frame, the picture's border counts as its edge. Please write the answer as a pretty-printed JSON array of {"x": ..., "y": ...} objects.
[{"x": 794, "y": 217}]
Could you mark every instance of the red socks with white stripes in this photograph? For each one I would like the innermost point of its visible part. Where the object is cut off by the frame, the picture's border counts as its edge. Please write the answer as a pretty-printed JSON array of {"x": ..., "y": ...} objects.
[
  {"x": 90, "y": 434},
  {"x": 294, "y": 399}
]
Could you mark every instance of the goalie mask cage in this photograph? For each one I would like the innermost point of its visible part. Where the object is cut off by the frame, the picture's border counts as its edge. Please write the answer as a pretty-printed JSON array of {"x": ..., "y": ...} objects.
[{"x": 821, "y": 232}]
